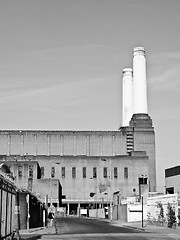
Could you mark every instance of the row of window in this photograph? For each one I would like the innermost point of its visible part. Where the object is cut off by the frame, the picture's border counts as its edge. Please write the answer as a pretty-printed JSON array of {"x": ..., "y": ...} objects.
[
  {"x": 20, "y": 171},
  {"x": 172, "y": 171},
  {"x": 84, "y": 172},
  {"x": 106, "y": 174}
]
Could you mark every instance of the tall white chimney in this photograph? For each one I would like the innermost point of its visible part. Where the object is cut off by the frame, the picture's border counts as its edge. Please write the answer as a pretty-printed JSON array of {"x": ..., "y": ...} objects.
[
  {"x": 127, "y": 107},
  {"x": 139, "y": 81}
]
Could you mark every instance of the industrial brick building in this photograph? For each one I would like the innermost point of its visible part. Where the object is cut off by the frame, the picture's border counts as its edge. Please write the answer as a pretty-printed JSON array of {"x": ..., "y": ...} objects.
[{"x": 92, "y": 165}]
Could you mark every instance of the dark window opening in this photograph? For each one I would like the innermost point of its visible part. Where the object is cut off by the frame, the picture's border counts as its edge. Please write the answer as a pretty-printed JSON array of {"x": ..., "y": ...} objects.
[
  {"x": 42, "y": 172},
  {"x": 84, "y": 172},
  {"x": 73, "y": 172},
  {"x": 125, "y": 172},
  {"x": 52, "y": 172},
  {"x": 63, "y": 172},
  {"x": 20, "y": 171},
  {"x": 170, "y": 190},
  {"x": 30, "y": 171},
  {"x": 115, "y": 172},
  {"x": 94, "y": 172},
  {"x": 105, "y": 172},
  {"x": 172, "y": 171}
]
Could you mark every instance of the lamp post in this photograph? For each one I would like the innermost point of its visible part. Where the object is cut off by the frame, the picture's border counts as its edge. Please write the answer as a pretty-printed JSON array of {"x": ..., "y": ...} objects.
[
  {"x": 109, "y": 185},
  {"x": 142, "y": 210},
  {"x": 95, "y": 194},
  {"x": 142, "y": 182},
  {"x": 51, "y": 190}
]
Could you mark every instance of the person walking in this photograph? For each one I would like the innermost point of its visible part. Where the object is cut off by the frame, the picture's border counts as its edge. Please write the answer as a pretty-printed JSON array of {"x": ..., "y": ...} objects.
[{"x": 51, "y": 217}]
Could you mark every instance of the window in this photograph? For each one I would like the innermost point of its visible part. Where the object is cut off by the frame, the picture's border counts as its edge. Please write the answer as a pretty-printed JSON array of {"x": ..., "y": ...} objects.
[
  {"x": 105, "y": 172},
  {"x": 10, "y": 167},
  {"x": 20, "y": 171},
  {"x": 63, "y": 172},
  {"x": 42, "y": 172},
  {"x": 73, "y": 172},
  {"x": 30, "y": 171},
  {"x": 172, "y": 171},
  {"x": 125, "y": 172},
  {"x": 94, "y": 172},
  {"x": 115, "y": 172},
  {"x": 84, "y": 172},
  {"x": 170, "y": 190},
  {"x": 52, "y": 172}
]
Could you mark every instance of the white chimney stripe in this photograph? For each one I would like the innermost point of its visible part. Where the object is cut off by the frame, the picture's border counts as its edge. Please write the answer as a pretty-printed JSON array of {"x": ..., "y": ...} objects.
[
  {"x": 127, "y": 109},
  {"x": 139, "y": 81}
]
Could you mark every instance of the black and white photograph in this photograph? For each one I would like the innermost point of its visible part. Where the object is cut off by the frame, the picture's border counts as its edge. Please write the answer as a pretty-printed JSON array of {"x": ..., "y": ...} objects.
[{"x": 90, "y": 119}]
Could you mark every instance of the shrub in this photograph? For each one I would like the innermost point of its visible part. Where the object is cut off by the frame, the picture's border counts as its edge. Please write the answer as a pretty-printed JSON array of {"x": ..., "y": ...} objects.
[
  {"x": 161, "y": 213},
  {"x": 178, "y": 218},
  {"x": 171, "y": 218}
]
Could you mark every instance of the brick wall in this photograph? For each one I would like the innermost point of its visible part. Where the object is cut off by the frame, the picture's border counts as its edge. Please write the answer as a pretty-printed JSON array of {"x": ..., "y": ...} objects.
[{"x": 70, "y": 143}]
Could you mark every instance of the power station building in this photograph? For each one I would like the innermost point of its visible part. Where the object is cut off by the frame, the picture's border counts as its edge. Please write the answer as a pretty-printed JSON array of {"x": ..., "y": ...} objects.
[{"x": 90, "y": 165}]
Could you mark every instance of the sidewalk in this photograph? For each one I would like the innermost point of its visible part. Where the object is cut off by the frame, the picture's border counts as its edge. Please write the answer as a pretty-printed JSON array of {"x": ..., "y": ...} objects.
[
  {"x": 146, "y": 227},
  {"x": 152, "y": 228},
  {"x": 36, "y": 233}
]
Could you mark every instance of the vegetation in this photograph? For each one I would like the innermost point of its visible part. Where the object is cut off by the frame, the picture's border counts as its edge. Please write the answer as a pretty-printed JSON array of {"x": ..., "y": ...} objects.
[
  {"x": 179, "y": 218},
  {"x": 171, "y": 218},
  {"x": 161, "y": 213}
]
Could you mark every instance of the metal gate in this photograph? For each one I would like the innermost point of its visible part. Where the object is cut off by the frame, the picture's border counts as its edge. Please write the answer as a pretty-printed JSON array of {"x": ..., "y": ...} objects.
[{"x": 7, "y": 207}]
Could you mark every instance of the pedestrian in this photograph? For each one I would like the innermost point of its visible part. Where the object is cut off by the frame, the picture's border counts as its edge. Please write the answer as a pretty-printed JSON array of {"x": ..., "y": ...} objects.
[
  {"x": 51, "y": 217},
  {"x": 106, "y": 212}
]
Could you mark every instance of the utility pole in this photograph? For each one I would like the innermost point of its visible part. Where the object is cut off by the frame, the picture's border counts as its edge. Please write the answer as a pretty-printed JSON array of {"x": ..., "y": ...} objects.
[{"x": 142, "y": 211}]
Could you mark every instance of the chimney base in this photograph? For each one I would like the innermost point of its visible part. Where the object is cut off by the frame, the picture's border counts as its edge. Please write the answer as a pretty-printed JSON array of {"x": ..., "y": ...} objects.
[{"x": 141, "y": 120}]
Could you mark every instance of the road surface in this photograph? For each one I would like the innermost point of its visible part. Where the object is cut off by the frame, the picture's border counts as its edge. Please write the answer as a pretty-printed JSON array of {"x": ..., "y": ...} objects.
[{"x": 72, "y": 228}]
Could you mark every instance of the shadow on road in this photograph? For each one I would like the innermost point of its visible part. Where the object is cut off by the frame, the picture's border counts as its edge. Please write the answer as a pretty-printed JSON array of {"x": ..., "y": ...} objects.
[{"x": 73, "y": 225}]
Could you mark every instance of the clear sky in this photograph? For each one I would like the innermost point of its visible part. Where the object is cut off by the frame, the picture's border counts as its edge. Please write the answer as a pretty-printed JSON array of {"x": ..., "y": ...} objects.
[{"x": 61, "y": 65}]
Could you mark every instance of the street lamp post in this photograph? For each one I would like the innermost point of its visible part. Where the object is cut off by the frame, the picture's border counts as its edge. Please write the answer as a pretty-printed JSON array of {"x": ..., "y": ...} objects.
[
  {"x": 95, "y": 194},
  {"x": 142, "y": 211},
  {"x": 51, "y": 190},
  {"x": 109, "y": 187},
  {"x": 142, "y": 182}
]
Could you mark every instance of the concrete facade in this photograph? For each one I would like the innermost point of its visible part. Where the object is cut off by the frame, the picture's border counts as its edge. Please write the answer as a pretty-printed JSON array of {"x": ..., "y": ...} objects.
[
  {"x": 172, "y": 179},
  {"x": 84, "y": 162},
  {"x": 62, "y": 143},
  {"x": 28, "y": 177},
  {"x": 144, "y": 140}
]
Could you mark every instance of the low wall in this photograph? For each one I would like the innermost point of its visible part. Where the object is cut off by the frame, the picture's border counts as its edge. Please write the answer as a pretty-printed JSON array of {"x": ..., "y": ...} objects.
[
  {"x": 134, "y": 213},
  {"x": 120, "y": 213},
  {"x": 97, "y": 213},
  {"x": 154, "y": 203}
]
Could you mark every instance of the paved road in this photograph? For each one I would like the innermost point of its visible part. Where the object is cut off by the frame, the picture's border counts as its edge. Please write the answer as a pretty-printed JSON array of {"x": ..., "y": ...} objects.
[
  {"x": 88, "y": 229},
  {"x": 75, "y": 225}
]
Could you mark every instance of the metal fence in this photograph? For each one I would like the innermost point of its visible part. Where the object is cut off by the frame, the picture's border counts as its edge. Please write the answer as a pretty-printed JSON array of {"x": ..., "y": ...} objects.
[{"x": 7, "y": 207}]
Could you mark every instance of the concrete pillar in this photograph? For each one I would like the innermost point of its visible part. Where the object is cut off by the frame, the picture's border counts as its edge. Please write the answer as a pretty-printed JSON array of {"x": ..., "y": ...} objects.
[
  {"x": 61, "y": 145},
  {"x": 78, "y": 210},
  {"x": 68, "y": 209},
  {"x": 75, "y": 144},
  {"x": 127, "y": 108},
  {"x": 139, "y": 81},
  {"x": 9, "y": 145},
  {"x": 22, "y": 144},
  {"x": 87, "y": 145},
  {"x": 35, "y": 145},
  {"x": 48, "y": 145}
]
